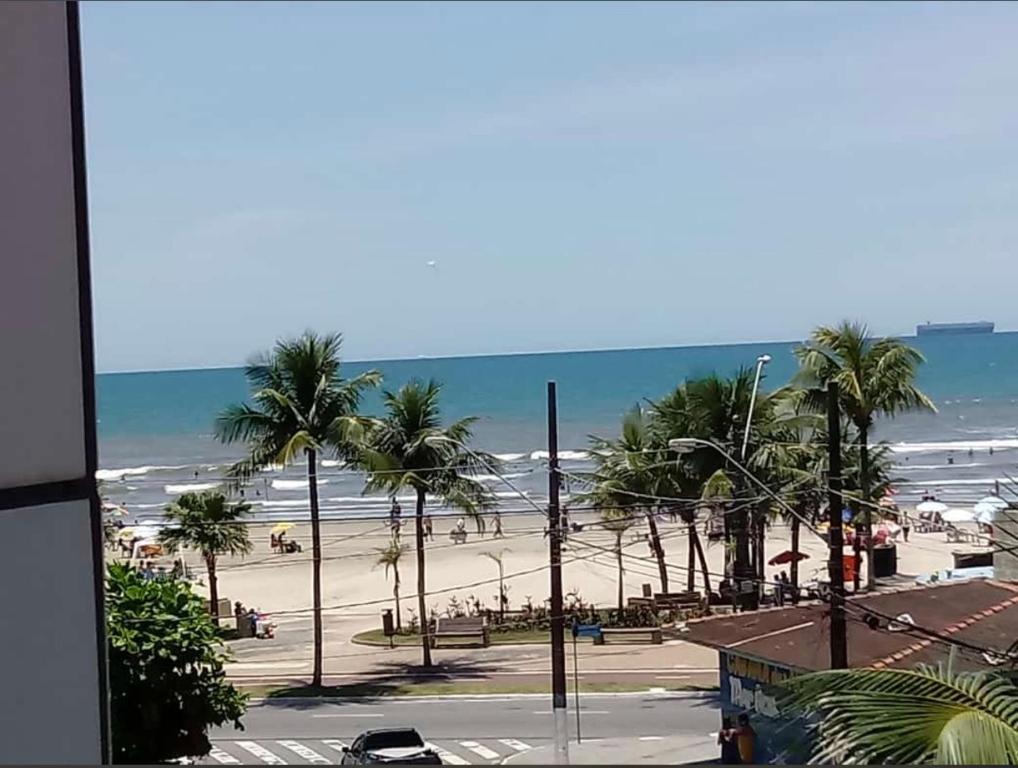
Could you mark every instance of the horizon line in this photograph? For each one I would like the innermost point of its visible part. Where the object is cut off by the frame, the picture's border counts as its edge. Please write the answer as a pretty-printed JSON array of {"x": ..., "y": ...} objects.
[{"x": 529, "y": 353}]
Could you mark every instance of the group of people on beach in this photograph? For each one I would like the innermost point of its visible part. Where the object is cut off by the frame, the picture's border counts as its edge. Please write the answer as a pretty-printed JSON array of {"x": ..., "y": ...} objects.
[{"x": 458, "y": 533}]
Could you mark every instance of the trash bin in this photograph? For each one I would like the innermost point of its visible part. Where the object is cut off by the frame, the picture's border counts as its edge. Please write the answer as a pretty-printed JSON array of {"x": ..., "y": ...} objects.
[{"x": 885, "y": 560}]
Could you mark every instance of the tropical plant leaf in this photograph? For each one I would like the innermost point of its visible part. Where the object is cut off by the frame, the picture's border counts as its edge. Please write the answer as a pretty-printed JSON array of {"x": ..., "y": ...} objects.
[{"x": 907, "y": 716}]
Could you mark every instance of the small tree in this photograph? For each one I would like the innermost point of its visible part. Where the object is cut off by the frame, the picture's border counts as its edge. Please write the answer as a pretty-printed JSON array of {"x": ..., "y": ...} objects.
[
  {"x": 503, "y": 598},
  {"x": 167, "y": 683},
  {"x": 389, "y": 557},
  {"x": 208, "y": 523}
]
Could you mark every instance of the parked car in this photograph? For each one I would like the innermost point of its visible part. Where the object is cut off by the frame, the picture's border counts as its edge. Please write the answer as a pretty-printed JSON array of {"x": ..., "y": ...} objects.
[{"x": 402, "y": 746}]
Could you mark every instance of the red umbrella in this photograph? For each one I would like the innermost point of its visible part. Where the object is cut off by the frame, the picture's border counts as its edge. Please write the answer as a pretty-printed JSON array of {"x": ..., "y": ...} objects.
[{"x": 786, "y": 557}]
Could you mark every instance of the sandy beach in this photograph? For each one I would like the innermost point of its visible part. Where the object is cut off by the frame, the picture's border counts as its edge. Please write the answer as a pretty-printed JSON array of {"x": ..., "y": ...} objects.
[{"x": 356, "y": 589}]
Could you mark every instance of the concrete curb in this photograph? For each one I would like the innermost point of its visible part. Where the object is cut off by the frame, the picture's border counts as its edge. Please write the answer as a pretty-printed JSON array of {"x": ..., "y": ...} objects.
[
  {"x": 667, "y": 750},
  {"x": 488, "y": 697}
]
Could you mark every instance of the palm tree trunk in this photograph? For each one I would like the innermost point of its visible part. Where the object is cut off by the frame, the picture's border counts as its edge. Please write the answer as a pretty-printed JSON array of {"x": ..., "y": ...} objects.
[
  {"x": 659, "y": 551},
  {"x": 501, "y": 593},
  {"x": 691, "y": 554},
  {"x": 618, "y": 556},
  {"x": 761, "y": 544},
  {"x": 316, "y": 566},
  {"x": 395, "y": 593},
  {"x": 698, "y": 545},
  {"x": 210, "y": 565},
  {"x": 422, "y": 607},
  {"x": 794, "y": 567},
  {"x": 867, "y": 510}
]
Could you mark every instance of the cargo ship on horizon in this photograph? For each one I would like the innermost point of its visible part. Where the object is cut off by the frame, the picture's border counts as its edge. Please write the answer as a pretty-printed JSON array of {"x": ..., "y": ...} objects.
[{"x": 949, "y": 329}]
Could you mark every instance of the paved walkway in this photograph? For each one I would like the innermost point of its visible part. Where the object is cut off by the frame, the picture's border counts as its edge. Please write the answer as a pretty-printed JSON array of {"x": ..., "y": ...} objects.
[
  {"x": 287, "y": 658},
  {"x": 647, "y": 750}
]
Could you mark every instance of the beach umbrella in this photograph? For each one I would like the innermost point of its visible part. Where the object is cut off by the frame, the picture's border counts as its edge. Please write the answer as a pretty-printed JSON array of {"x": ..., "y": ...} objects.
[
  {"x": 114, "y": 509},
  {"x": 985, "y": 512},
  {"x": 932, "y": 507},
  {"x": 993, "y": 501},
  {"x": 958, "y": 516},
  {"x": 888, "y": 502},
  {"x": 279, "y": 528},
  {"x": 787, "y": 557}
]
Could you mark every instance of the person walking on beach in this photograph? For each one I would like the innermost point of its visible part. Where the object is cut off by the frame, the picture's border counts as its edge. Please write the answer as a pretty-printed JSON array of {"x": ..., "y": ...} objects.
[
  {"x": 429, "y": 529},
  {"x": 395, "y": 518},
  {"x": 498, "y": 527},
  {"x": 906, "y": 524}
]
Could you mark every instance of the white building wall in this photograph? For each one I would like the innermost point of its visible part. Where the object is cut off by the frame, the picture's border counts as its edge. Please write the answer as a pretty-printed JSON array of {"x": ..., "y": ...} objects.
[{"x": 51, "y": 645}]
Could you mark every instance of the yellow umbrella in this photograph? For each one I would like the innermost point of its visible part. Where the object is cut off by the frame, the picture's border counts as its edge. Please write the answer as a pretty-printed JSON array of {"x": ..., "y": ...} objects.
[{"x": 279, "y": 528}]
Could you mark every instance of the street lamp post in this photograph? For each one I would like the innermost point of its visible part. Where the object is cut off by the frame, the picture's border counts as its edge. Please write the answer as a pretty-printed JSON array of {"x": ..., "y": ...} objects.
[
  {"x": 760, "y": 363},
  {"x": 742, "y": 546}
]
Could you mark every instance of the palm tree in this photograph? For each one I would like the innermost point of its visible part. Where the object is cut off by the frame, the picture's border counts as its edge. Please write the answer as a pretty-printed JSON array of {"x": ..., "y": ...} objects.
[
  {"x": 301, "y": 406},
  {"x": 905, "y": 717},
  {"x": 629, "y": 473},
  {"x": 713, "y": 408},
  {"x": 210, "y": 524},
  {"x": 876, "y": 377},
  {"x": 618, "y": 521},
  {"x": 389, "y": 557},
  {"x": 408, "y": 448}
]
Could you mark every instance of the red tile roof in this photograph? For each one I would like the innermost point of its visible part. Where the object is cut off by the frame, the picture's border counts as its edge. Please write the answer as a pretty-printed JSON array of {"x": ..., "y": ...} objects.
[{"x": 979, "y": 612}]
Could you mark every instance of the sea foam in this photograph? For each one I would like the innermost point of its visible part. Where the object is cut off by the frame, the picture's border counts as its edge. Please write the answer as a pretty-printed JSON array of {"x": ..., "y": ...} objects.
[
  {"x": 189, "y": 487},
  {"x": 955, "y": 445}
]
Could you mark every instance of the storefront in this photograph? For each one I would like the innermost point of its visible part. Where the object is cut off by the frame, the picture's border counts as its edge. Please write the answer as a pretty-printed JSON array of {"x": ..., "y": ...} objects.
[
  {"x": 759, "y": 650},
  {"x": 749, "y": 686}
]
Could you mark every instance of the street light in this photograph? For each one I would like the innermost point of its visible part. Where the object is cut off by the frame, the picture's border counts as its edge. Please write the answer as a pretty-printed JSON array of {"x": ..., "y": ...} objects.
[{"x": 760, "y": 363}]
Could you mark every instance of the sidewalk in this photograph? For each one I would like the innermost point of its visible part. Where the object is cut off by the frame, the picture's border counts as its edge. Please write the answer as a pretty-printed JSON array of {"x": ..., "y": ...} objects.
[{"x": 664, "y": 750}]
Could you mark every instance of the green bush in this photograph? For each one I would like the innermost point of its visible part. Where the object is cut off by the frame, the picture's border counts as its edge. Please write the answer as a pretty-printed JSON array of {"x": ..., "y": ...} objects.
[{"x": 167, "y": 684}]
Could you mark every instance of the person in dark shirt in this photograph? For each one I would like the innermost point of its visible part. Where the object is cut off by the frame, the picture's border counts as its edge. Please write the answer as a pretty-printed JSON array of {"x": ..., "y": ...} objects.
[{"x": 728, "y": 743}]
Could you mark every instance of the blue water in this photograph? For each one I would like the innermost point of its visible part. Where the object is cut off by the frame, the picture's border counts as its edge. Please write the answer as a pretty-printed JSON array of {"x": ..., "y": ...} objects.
[{"x": 165, "y": 418}]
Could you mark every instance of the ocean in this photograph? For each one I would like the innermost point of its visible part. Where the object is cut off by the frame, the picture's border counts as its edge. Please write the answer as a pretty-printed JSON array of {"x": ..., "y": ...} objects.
[{"x": 155, "y": 428}]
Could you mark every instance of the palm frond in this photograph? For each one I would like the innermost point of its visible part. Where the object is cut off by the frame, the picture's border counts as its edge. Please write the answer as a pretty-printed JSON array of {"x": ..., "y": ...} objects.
[{"x": 908, "y": 716}]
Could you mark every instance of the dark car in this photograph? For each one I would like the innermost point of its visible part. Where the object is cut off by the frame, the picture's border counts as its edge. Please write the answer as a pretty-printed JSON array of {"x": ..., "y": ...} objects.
[{"x": 403, "y": 746}]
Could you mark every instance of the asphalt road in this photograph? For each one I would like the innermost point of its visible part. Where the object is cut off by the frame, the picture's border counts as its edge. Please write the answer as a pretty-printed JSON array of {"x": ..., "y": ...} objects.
[{"x": 482, "y": 730}]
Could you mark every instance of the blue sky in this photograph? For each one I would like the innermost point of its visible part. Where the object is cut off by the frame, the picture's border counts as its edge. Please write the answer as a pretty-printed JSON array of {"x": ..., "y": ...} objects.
[{"x": 583, "y": 175}]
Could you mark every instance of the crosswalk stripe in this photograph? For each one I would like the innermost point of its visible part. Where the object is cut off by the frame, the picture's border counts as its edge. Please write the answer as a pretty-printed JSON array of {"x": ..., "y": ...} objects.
[
  {"x": 223, "y": 757},
  {"x": 306, "y": 752},
  {"x": 519, "y": 746},
  {"x": 480, "y": 749},
  {"x": 447, "y": 757},
  {"x": 336, "y": 744},
  {"x": 261, "y": 753}
]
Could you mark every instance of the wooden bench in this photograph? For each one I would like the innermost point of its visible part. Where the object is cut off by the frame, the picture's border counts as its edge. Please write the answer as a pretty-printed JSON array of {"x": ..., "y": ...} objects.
[
  {"x": 677, "y": 600},
  {"x": 978, "y": 559},
  {"x": 630, "y": 634},
  {"x": 640, "y": 602},
  {"x": 473, "y": 629}
]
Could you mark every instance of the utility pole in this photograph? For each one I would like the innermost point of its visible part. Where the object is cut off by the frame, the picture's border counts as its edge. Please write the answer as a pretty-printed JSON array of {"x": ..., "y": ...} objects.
[
  {"x": 558, "y": 645},
  {"x": 835, "y": 533}
]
